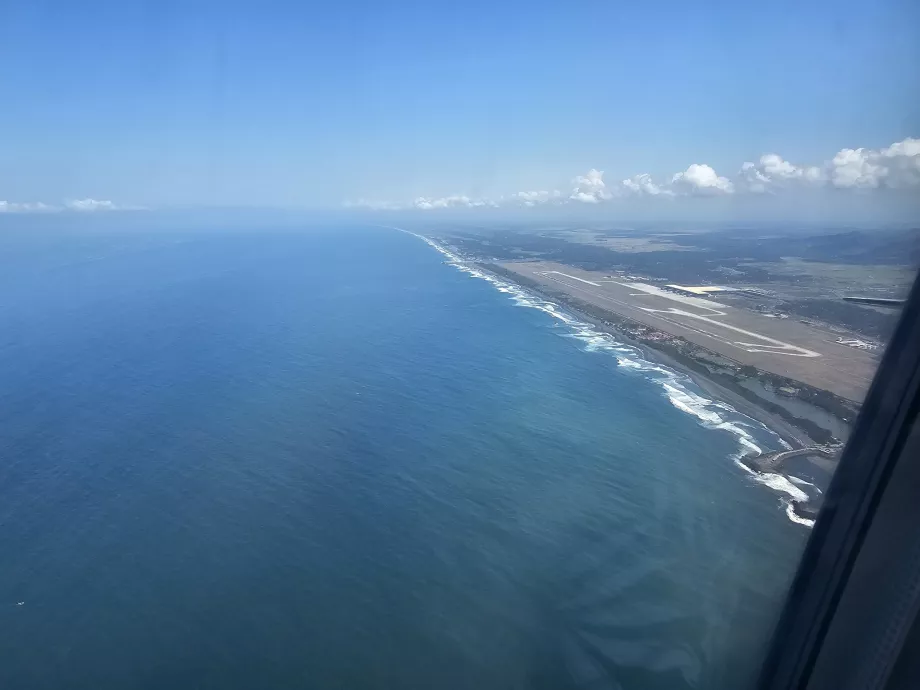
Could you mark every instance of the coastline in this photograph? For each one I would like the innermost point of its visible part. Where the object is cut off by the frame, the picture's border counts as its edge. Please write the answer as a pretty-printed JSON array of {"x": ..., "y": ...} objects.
[
  {"x": 786, "y": 431},
  {"x": 795, "y": 431},
  {"x": 803, "y": 509},
  {"x": 720, "y": 381}
]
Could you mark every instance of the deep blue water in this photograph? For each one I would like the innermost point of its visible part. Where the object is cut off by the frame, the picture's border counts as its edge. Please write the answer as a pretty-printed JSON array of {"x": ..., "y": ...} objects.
[{"x": 327, "y": 459}]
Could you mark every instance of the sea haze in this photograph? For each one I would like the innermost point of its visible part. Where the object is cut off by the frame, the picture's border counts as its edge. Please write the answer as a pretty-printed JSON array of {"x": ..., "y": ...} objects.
[{"x": 344, "y": 458}]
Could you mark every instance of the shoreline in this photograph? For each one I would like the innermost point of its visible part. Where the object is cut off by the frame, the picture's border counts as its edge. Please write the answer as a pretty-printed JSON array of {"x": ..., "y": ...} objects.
[
  {"x": 803, "y": 512},
  {"x": 797, "y": 432},
  {"x": 695, "y": 366},
  {"x": 786, "y": 431},
  {"x": 779, "y": 426}
]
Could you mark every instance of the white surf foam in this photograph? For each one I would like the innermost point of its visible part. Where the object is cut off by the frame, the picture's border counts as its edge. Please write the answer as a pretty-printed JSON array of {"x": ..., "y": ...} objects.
[
  {"x": 778, "y": 482},
  {"x": 803, "y": 482},
  {"x": 791, "y": 514},
  {"x": 712, "y": 414}
]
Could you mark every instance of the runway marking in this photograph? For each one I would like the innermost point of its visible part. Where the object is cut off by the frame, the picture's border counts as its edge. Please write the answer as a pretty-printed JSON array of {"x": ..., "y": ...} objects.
[
  {"x": 694, "y": 301},
  {"x": 580, "y": 280},
  {"x": 775, "y": 346},
  {"x": 766, "y": 344}
]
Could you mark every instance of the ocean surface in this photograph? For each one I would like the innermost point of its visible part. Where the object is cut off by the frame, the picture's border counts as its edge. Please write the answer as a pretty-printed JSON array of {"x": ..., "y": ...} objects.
[{"x": 344, "y": 458}]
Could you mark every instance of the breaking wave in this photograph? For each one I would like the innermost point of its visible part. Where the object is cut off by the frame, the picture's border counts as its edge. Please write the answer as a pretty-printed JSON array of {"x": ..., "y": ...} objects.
[{"x": 711, "y": 414}]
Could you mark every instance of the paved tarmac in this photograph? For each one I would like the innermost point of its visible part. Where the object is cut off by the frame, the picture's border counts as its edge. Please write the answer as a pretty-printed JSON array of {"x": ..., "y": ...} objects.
[{"x": 782, "y": 346}]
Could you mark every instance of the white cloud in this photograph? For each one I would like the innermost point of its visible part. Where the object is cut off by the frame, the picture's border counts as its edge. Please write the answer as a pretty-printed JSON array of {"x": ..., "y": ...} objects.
[
  {"x": 70, "y": 205},
  {"x": 775, "y": 166},
  {"x": 856, "y": 168},
  {"x": 903, "y": 163},
  {"x": 814, "y": 175},
  {"x": 755, "y": 179},
  {"x": 643, "y": 184},
  {"x": 590, "y": 188},
  {"x": 25, "y": 207},
  {"x": 773, "y": 172},
  {"x": 537, "y": 197},
  {"x": 455, "y": 201},
  {"x": 90, "y": 205},
  {"x": 909, "y": 148},
  {"x": 703, "y": 180},
  {"x": 895, "y": 166}
]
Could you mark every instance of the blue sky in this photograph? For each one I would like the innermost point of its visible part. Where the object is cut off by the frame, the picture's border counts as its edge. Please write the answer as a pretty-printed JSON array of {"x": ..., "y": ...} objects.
[{"x": 289, "y": 104}]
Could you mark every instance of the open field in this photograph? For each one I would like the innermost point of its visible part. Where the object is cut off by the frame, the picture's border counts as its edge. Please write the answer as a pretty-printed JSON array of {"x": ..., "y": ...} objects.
[
  {"x": 785, "y": 347},
  {"x": 799, "y": 274}
]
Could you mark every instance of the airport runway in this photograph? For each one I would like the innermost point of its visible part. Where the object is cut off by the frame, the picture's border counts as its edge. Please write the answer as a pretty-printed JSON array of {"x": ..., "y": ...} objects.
[{"x": 782, "y": 346}]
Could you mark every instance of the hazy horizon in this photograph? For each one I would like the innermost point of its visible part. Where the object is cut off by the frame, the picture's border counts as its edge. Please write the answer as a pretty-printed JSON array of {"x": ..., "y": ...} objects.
[{"x": 744, "y": 112}]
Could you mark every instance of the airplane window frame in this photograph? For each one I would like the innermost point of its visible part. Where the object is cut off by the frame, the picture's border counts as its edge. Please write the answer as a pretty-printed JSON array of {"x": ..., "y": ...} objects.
[{"x": 855, "y": 597}]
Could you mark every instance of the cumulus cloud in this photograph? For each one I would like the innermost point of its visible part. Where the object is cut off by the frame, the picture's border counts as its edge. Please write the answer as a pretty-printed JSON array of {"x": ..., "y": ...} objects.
[
  {"x": 773, "y": 172},
  {"x": 455, "y": 201},
  {"x": 536, "y": 198},
  {"x": 703, "y": 180},
  {"x": 903, "y": 162},
  {"x": 71, "y": 205},
  {"x": 775, "y": 166},
  {"x": 909, "y": 148},
  {"x": 857, "y": 168},
  {"x": 590, "y": 188},
  {"x": 25, "y": 207},
  {"x": 644, "y": 185},
  {"x": 895, "y": 166},
  {"x": 90, "y": 205},
  {"x": 754, "y": 178}
]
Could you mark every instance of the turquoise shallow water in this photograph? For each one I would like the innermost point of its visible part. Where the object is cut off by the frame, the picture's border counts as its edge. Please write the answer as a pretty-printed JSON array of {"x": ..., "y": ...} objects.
[{"x": 331, "y": 458}]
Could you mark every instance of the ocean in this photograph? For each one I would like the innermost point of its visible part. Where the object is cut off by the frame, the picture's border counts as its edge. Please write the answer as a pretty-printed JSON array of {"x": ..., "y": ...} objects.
[{"x": 346, "y": 458}]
